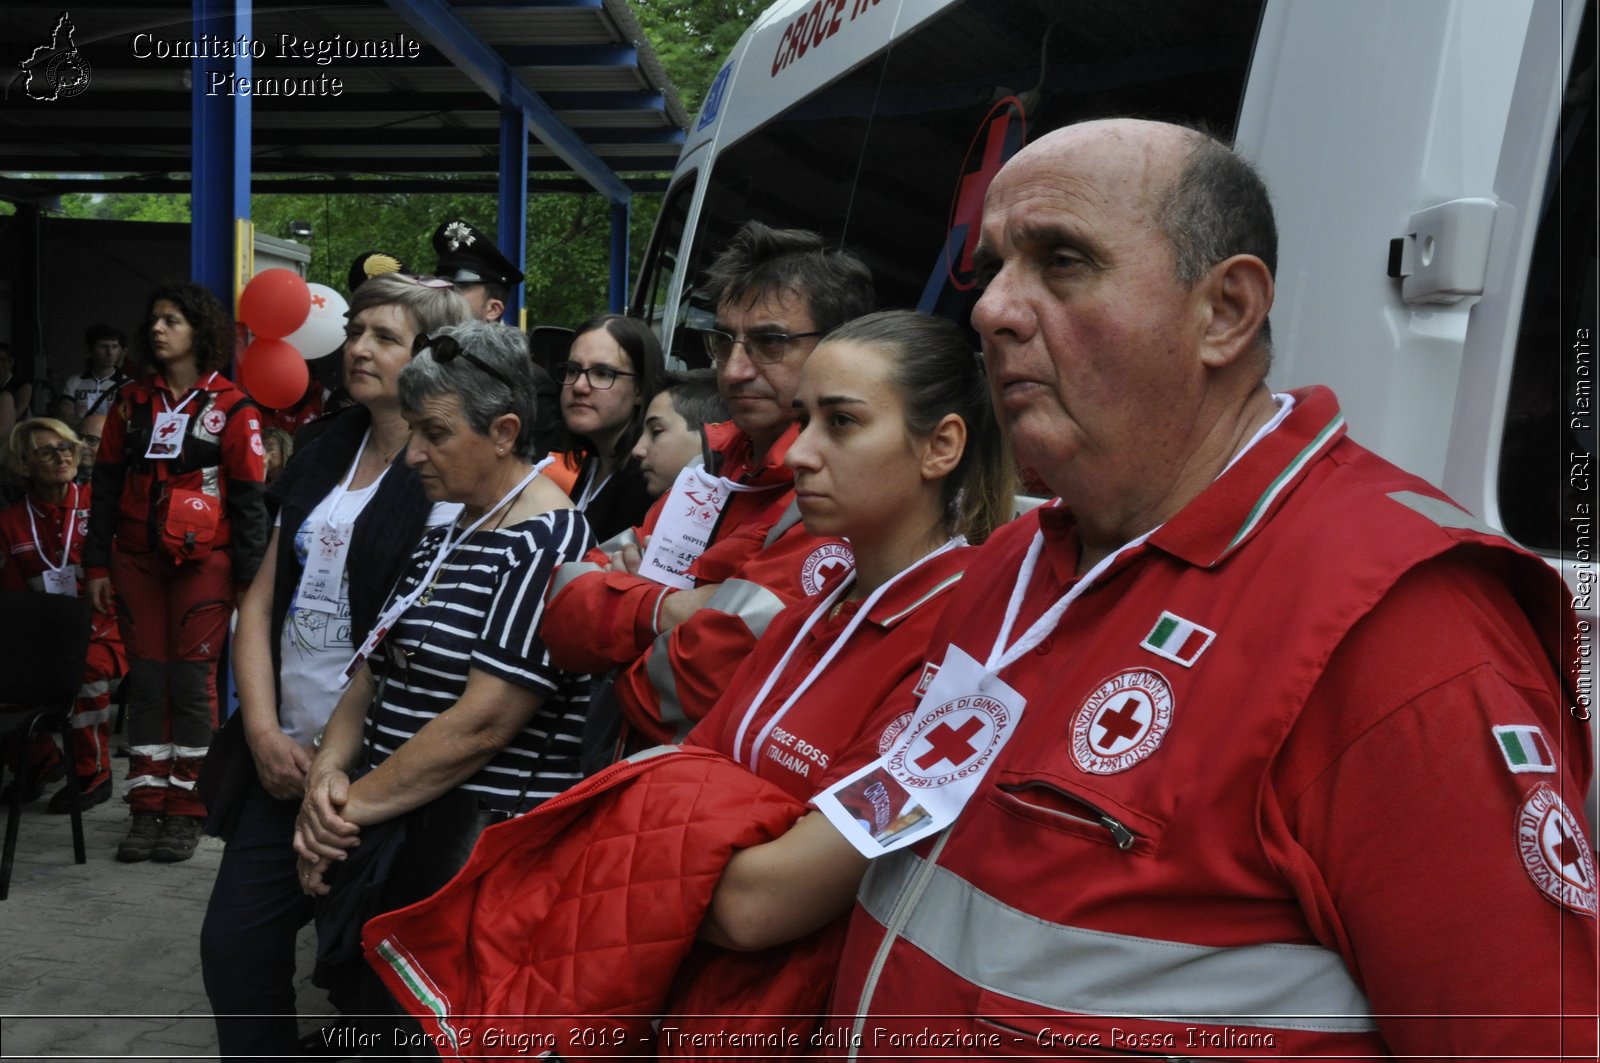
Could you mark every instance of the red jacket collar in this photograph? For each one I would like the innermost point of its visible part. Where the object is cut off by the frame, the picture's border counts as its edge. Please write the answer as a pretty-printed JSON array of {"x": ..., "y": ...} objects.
[{"x": 730, "y": 456}]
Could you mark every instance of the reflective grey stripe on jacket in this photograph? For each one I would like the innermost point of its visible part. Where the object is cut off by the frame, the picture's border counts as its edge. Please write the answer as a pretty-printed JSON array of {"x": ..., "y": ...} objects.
[
  {"x": 1092, "y": 972},
  {"x": 750, "y": 602},
  {"x": 568, "y": 572},
  {"x": 625, "y": 537},
  {"x": 788, "y": 519}
]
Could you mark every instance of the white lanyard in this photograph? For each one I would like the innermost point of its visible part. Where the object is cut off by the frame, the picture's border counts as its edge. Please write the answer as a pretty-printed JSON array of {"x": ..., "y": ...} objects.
[
  {"x": 595, "y": 485},
  {"x": 343, "y": 489},
  {"x": 66, "y": 536},
  {"x": 827, "y": 658},
  {"x": 999, "y": 656},
  {"x": 204, "y": 385},
  {"x": 447, "y": 547}
]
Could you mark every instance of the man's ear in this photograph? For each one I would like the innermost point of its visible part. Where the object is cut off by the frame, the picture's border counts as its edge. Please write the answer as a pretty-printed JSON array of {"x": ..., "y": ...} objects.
[
  {"x": 493, "y": 309},
  {"x": 1237, "y": 294},
  {"x": 943, "y": 447}
]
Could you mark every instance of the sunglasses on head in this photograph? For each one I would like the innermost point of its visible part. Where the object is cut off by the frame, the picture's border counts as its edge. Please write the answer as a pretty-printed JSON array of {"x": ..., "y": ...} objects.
[{"x": 445, "y": 350}]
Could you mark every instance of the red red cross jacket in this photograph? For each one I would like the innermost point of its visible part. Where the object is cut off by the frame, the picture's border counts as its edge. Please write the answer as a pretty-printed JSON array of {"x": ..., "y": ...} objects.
[
  {"x": 221, "y": 456},
  {"x": 572, "y": 928},
  {"x": 760, "y": 554},
  {"x": 21, "y": 565}
]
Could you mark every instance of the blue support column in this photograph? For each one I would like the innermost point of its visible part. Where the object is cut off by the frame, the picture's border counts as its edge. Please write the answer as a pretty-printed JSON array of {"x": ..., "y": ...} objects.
[
  {"x": 619, "y": 256},
  {"x": 219, "y": 150},
  {"x": 514, "y": 198}
]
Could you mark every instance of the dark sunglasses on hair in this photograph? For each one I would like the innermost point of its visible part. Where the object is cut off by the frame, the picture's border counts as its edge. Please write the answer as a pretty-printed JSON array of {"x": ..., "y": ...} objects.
[
  {"x": 601, "y": 377},
  {"x": 764, "y": 347},
  {"x": 425, "y": 281},
  {"x": 445, "y": 350}
]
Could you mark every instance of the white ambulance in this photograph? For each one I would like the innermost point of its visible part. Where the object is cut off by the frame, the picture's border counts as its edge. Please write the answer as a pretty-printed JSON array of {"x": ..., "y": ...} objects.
[{"x": 1432, "y": 163}]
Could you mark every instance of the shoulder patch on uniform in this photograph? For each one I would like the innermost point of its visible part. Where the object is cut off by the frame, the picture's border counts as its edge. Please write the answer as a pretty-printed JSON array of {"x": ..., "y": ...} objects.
[
  {"x": 1122, "y": 721},
  {"x": 1178, "y": 640},
  {"x": 1554, "y": 852},
  {"x": 1524, "y": 748},
  {"x": 929, "y": 670},
  {"x": 257, "y": 446},
  {"x": 824, "y": 563}
]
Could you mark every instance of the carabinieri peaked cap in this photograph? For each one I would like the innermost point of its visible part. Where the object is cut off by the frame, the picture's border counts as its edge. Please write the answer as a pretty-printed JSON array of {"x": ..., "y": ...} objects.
[
  {"x": 370, "y": 264},
  {"x": 468, "y": 256}
]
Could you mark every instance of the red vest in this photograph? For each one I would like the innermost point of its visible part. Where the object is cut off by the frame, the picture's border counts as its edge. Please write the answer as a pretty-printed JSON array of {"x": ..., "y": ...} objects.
[{"x": 1117, "y": 882}]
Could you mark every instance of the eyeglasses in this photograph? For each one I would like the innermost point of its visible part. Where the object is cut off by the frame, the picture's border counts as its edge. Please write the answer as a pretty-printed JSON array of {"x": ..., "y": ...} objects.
[
  {"x": 445, "y": 350},
  {"x": 763, "y": 347},
  {"x": 601, "y": 377},
  {"x": 59, "y": 452}
]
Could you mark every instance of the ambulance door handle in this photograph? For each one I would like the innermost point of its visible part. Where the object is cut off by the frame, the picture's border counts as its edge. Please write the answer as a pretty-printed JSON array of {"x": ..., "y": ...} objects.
[{"x": 1444, "y": 255}]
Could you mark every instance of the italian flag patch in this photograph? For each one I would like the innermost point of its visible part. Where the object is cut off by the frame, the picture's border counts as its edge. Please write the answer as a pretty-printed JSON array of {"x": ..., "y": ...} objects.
[
  {"x": 1525, "y": 748},
  {"x": 1178, "y": 639}
]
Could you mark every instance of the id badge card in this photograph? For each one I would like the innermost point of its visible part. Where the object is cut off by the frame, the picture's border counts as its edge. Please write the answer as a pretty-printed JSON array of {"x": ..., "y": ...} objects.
[
  {"x": 61, "y": 581},
  {"x": 166, "y": 437},
  {"x": 922, "y": 783},
  {"x": 322, "y": 578},
  {"x": 684, "y": 530}
]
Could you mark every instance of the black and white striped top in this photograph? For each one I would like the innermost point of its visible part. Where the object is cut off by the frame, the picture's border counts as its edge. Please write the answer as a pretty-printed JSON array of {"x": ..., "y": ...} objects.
[{"x": 484, "y": 612}]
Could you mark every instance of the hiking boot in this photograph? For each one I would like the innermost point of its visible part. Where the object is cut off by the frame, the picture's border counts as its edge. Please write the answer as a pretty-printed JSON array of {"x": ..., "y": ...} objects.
[
  {"x": 178, "y": 839},
  {"x": 88, "y": 797},
  {"x": 141, "y": 839}
]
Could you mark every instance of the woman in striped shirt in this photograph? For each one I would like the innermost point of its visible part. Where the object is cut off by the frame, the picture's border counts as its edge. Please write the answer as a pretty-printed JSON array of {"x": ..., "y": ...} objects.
[{"x": 454, "y": 694}]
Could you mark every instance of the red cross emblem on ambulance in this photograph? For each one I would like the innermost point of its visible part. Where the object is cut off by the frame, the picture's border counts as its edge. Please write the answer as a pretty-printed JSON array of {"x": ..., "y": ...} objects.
[{"x": 1122, "y": 721}]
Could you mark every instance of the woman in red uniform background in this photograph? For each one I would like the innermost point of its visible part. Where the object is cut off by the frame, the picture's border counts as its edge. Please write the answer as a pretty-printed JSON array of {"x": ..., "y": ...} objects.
[
  {"x": 41, "y": 548},
  {"x": 178, "y": 520}
]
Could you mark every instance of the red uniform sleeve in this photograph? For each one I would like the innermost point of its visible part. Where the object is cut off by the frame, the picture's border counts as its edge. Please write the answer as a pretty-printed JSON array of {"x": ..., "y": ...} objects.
[
  {"x": 599, "y": 620},
  {"x": 110, "y": 472},
  {"x": 1435, "y": 858},
  {"x": 677, "y": 681}
]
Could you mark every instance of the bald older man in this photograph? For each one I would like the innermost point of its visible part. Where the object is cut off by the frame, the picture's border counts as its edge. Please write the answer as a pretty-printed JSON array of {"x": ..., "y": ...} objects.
[{"x": 1272, "y": 737}]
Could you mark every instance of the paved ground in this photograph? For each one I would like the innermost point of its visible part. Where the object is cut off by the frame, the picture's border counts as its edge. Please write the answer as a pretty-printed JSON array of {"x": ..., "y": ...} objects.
[{"x": 102, "y": 960}]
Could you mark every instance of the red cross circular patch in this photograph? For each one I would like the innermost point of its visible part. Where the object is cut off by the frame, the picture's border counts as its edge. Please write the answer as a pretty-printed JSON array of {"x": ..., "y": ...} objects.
[
  {"x": 1122, "y": 721},
  {"x": 951, "y": 742},
  {"x": 824, "y": 563},
  {"x": 214, "y": 421},
  {"x": 1550, "y": 841}
]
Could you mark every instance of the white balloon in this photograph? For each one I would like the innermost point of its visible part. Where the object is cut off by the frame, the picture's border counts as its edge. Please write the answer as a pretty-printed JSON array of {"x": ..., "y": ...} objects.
[{"x": 323, "y": 331}]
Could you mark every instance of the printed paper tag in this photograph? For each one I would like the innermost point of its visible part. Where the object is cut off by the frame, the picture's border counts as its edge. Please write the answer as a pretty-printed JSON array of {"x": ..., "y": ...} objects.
[
  {"x": 323, "y": 576},
  {"x": 61, "y": 581},
  {"x": 933, "y": 768},
  {"x": 166, "y": 438},
  {"x": 684, "y": 530}
]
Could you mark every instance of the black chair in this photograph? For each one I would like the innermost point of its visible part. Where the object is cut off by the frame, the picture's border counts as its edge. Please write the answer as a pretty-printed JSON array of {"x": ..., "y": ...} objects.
[{"x": 44, "y": 644}]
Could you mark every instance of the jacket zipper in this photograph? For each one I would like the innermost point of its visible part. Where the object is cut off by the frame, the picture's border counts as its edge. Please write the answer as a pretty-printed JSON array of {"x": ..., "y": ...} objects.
[{"x": 1120, "y": 834}]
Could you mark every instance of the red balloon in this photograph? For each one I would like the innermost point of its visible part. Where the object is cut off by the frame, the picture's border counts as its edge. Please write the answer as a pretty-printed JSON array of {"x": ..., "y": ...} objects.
[
  {"x": 273, "y": 373},
  {"x": 275, "y": 303}
]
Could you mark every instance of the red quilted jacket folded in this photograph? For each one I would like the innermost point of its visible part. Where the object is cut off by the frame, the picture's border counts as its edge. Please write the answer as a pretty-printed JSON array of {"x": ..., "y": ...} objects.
[{"x": 571, "y": 930}]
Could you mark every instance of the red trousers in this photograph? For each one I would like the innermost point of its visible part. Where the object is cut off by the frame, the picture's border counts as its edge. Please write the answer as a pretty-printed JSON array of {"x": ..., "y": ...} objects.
[{"x": 174, "y": 621}]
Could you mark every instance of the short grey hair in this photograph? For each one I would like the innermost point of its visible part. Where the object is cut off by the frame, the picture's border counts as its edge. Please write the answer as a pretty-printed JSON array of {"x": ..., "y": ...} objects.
[
  {"x": 426, "y": 308},
  {"x": 483, "y": 397}
]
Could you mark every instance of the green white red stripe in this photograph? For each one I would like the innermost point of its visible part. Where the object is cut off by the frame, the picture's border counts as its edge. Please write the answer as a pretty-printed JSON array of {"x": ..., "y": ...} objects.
[
  {"x": 1525, "y": 748},
  {"x": 421, "y": 987},
  {"x": 1178, "y": 639}
]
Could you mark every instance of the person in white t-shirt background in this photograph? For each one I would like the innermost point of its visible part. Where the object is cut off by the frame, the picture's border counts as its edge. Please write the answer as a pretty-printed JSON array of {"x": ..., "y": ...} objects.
[
  {"x": 102, "y": 370},
  {"x": 350, "y": 513}
]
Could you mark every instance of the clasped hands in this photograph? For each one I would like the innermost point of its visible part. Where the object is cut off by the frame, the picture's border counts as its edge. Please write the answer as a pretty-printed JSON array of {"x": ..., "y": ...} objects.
[{"x": 322, "y": 836}]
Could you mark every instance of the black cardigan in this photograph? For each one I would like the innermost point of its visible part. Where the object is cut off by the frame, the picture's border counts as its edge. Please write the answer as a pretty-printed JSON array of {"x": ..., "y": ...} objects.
[{"x": 385, "y": 533}]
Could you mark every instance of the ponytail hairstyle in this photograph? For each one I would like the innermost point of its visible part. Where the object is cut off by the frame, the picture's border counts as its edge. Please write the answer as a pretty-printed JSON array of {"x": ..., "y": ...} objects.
[{"x": 937, "y": 372}]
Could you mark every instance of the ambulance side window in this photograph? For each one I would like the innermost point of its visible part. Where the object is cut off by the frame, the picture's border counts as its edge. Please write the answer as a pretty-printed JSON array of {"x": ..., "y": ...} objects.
[{"x": 1547, "y": 458}]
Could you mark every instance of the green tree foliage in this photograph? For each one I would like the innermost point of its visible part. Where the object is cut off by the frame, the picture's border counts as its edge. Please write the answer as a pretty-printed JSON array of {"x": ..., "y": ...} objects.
[{"x": 693, "y": 37}]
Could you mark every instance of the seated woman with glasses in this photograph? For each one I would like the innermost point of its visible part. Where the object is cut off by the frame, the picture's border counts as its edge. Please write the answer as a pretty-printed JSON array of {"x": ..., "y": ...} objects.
[
  {"x": 453, "y": 704},
  {"x": 41, "y": 549},
  {"x": 350, "y": 513},
  {"x": 607, "y": 382}
]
